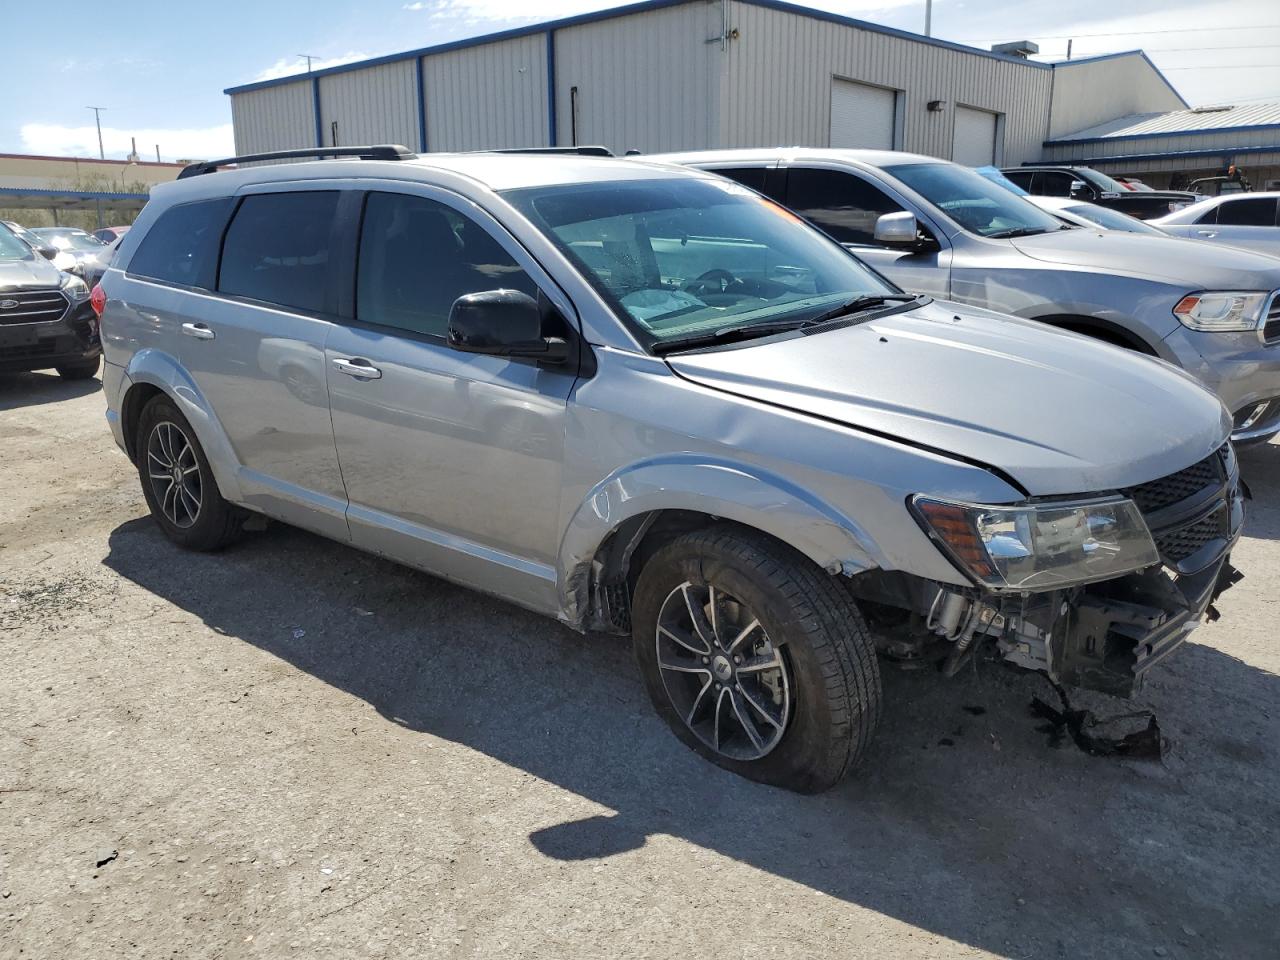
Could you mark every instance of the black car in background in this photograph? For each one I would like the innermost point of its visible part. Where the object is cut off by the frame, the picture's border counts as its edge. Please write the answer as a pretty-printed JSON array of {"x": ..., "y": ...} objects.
[
  {"x": 45, "y": 316},
  {"x": 1082, "y": 183}
]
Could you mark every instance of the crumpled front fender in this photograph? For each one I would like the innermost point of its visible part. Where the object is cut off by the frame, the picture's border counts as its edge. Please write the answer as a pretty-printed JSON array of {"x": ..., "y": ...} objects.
[
  {"x": 162, "y": 370},
  {"x": 733, "y": 491}
]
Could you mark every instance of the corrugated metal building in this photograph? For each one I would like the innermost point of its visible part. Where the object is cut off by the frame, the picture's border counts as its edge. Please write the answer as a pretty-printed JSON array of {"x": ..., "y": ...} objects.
[
  {"x": 1168, "y": 149},
  {"x": 688, "y": 74}
]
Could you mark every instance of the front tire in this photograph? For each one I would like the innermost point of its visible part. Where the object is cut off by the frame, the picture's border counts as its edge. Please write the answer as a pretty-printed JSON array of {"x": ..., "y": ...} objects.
[
  {"x": 757, "y": 660},
  {"x": 81, "y": 370},
  {"x": 178, "y": 484}
]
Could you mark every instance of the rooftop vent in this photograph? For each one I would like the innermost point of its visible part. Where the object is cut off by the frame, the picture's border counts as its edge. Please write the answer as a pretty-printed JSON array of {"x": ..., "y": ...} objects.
[
  {"x": 1218, "y": 109},
  {"x": 1018, "y": 48}
]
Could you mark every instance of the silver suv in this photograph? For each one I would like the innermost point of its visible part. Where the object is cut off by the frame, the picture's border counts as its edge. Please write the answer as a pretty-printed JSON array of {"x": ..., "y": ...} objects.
[
  {"x": 647, "y": 401},
  {"x": 938, "y": 228}
]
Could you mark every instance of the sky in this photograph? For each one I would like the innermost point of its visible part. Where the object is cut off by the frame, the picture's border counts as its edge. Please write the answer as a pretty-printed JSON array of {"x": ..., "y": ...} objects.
[{"x": 159, "y": 67}]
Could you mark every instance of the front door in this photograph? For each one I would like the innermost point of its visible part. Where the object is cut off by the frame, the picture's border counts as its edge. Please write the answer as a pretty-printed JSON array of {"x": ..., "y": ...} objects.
[
  {"x": 847, "y": 206},
  {"x": 452, "y": 461},
  {"x": 257, "y": 354}
]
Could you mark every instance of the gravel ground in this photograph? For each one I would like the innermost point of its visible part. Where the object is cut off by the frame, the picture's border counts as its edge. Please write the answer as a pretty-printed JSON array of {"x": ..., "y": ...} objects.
[{"x": 292, "y": 749}]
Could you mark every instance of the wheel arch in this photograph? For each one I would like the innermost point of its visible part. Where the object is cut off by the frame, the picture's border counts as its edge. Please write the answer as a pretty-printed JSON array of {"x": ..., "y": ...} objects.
[
  {"x": 153, "y": 373},
  {"x": 637, "y": 509},
  {"x": 1100, "y": 328}
]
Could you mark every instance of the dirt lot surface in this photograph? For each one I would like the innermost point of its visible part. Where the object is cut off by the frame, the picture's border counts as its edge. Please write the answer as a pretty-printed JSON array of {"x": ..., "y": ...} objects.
[{"x": 294, "y": 750}]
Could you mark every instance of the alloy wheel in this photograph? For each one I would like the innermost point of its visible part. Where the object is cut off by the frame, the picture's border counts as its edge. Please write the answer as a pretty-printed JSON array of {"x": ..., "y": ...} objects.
[
  {"x": 722, "y": 673},
  {"x": 174, "y": 474}
]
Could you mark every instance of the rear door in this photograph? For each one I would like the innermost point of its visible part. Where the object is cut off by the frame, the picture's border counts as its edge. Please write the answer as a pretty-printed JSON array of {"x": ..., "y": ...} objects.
[
  {"x": 257, "y": 352},
  {"x": 846, "y": 205},
  {"x": 452, "y": 460},
  {"x": 1248, "y": 222}
]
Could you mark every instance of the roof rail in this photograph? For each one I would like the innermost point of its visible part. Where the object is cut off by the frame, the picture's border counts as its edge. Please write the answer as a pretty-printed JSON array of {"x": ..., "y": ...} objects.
[
  {"x": 384, "y": 151},
  {"x": 580, "y": 151}
]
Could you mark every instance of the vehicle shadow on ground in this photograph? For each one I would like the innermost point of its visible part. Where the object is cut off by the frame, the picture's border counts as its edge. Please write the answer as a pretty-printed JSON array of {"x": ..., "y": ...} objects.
[
  {"x": 19, "y": 390},
  {"x": 965, "y": 820},
  {"x": 1260, "y": 469}
]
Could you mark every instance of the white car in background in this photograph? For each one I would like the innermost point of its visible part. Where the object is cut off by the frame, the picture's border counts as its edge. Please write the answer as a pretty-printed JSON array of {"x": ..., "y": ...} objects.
[
  {"x": 1248, "y": 220},
  {"x": 1078, "y": 213}
]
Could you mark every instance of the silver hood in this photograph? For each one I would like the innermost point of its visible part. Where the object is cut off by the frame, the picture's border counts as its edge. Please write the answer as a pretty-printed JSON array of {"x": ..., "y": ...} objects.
[
  {"x": 1188, "y": 263},
  {"x": 1060, "y": 413},
  {"x": 30, "y": 274}
]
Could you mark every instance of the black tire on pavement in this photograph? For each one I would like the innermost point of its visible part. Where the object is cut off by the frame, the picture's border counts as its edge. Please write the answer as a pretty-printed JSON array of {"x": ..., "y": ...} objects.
[
  {"x": 80, "y": 370},
  {"x": 816, "y": 715}
]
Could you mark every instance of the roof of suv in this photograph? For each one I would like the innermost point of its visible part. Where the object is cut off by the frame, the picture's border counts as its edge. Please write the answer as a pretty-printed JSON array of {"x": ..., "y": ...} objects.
[
  {"x": 496, "y": 171},
  {"x": 874, "y": 158}
]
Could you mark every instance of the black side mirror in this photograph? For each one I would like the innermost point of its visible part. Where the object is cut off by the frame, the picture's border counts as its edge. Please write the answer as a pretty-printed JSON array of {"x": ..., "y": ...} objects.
[
  {"x": 503, "y": 323},
  {"x": 47, "y": 252}
]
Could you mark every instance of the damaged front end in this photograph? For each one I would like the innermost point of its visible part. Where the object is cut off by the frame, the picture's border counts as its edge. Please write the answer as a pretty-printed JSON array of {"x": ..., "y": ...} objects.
[{"x": 1103, "y": 634}]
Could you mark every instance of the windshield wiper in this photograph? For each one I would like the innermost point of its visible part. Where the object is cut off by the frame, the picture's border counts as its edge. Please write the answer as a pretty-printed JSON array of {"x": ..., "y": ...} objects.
[
  {"x": 1016, "y": 232},
  {"x": 860, "y": 303},
  {"x": 740, "y": 331}
]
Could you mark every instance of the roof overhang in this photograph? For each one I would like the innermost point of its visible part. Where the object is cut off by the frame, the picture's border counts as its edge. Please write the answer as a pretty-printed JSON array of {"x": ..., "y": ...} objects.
[{"x": 16, "y": 198}]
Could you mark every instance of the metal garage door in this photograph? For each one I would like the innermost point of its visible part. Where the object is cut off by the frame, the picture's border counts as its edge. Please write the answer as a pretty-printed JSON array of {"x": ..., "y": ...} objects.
[
  {"x": 974, "y": 140},
  {"x": 861, "y": 115}
]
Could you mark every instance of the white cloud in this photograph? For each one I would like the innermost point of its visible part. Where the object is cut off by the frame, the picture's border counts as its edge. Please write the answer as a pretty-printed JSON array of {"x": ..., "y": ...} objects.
[
  {"x": 195, "y": 144},
  {"x": 287, "y": 66}
]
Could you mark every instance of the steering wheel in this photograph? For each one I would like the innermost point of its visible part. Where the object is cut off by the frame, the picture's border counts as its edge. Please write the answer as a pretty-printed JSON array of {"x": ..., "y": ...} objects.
[{"x": 722, "y": 279}]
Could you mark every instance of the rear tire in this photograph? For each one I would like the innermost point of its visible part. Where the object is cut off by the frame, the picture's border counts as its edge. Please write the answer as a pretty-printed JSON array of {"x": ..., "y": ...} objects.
[
  {"x": 178, "y": 484},
  {"x": 81, "y": 370},
  {"x": 757, "y": 659}
]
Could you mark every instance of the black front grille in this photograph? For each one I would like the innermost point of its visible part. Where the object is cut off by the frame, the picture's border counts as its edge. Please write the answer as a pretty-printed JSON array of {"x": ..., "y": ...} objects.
[
  {"x": 1179, "y": 544},
  {"x": 1165, "y": 492},
  {"x": 32, "y": 306},
  {"x": 1271, "y": 329}
]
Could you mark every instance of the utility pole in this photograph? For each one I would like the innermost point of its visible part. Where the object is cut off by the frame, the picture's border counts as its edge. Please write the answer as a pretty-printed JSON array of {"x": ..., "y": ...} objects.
[
  {"x": 928, "y": 18},
  {"x": 308, "y": 57},
  {"x": 97, "y": 118},
  {"x": 1068, "y": 49}
]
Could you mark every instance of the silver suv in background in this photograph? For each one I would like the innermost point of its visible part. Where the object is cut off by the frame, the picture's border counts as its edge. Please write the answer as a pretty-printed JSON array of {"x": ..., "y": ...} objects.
[
  {"x": 645, "y": 400},
  {"x": 938, "y": 228}
]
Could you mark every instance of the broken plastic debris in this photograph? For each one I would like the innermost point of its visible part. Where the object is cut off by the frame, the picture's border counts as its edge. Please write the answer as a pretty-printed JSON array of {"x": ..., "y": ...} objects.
[{"x": 298, "y": 633}]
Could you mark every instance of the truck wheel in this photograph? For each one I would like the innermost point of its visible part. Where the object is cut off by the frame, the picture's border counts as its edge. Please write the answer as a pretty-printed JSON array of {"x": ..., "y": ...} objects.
[
  {"x": 757, "y": 659},
  {"x": 81, "y": 370},
  {"x": 178, "y": 484}
]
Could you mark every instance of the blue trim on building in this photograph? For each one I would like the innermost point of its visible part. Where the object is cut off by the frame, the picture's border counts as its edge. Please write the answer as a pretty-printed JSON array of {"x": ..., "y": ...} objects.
[
  {"x": 422, "y": 108},
  {"x": 315, "y": 106},
  {"x": 551, "y": 88},
  {"x": 1171, "y": 155},
  {"x": 634, "y": 8},
  {"x": 1162, "y": 134}
]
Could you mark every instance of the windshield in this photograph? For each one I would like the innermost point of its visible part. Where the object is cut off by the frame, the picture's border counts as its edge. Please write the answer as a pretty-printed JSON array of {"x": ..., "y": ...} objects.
[
  {"x": 682, "y": 257},
  {"x": 1100, "y": 180},
  {"x": 68, "y": 240},
  {"x": 11, "y": 248},
  {"x": 974, "y": 202},
  {"x": 1111, "y": 219}
]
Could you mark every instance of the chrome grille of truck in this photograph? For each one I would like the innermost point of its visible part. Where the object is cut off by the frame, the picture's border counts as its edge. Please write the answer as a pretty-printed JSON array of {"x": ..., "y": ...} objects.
[{"x": 32, "y": 306}]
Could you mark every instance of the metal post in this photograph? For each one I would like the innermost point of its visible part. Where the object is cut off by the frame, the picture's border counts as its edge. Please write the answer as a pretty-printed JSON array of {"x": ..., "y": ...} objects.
[
  {"x": 97, "y": 119},
  {"x": 928, "y": 18},
  {"x": 1068, "y": 49}
]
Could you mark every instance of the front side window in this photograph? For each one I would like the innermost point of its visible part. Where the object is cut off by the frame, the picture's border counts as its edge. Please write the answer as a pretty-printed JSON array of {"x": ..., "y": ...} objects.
[
  {"x": 277, "y": 249},
  {"x": 182, "y": 245},
  {"x": 1022, "y": 178},
  {"x": 417, "y": 256},
  {"x": 686, "y": 256},
  {"x": 1251, "y": 212},
  {"x": 844, "y": 205},
  {"x": 1054, "y": 184},
  {"x": 974, "y": 202}
]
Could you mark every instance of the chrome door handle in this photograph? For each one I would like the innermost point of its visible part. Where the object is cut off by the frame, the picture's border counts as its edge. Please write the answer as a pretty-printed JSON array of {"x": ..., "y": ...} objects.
[
  {"x": 1206, "y": 233},
  {"x": 198, "y": 330},
  {"x": 357, "y": 367}
]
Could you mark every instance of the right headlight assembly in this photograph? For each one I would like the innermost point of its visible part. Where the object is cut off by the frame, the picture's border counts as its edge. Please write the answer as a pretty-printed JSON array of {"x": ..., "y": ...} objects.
[
  {"x": 1041, "y": 546},
  {"x": 1221, "y": 310}
]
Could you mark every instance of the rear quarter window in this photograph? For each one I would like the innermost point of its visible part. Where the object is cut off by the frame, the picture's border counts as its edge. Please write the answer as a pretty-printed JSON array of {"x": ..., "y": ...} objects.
[{"x": 182, "y": 245}]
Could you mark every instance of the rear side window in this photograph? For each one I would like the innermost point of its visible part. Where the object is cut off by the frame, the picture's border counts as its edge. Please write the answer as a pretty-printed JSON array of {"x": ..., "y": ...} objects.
[
  {"x": 844, "y": 205},
  {"x": 417, "y": 256},
  {"x": 277, "y": 249},
  {"x": 1252, "y": 212},
  {"x": 182, "y": 245},
  {"x": 1022, "y": 178}
]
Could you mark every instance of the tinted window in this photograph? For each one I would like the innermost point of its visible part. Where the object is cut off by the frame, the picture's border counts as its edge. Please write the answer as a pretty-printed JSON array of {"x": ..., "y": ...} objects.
[
  {"x": 1022, "y": 178},
  {"x": 1260, "y": 212},
  {"x": 752, "y": 177},
  {"x": 1054, "y": 184},
  {"x": 182, "y": 245},
  {"x": 417, "y": 256},
  {"x": 277, "y": 249},
  {"x": 842, "y": 204}
]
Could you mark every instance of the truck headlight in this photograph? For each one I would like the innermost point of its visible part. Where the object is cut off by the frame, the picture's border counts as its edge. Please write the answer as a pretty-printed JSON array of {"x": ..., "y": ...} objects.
[
  {"x": 1221, "y": 310},
  {"x": 74, "y": 288},
  {"x": 1041, "y": 546}
]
